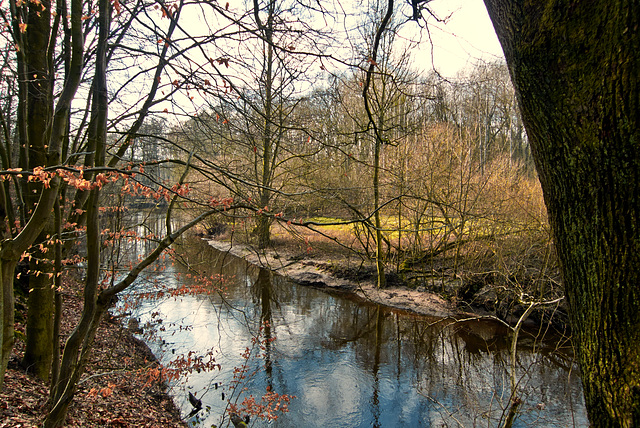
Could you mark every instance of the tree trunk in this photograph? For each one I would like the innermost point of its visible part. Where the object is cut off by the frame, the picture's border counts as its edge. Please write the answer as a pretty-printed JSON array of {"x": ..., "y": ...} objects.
[
  {"x": 263, "y": 227},
  {"x": 41, "y": 130},
  {"x": 264, "y": 222},
  {"x": 576, "y": 68},
  {"x": 38, "y": 351},
  {"x": 377, "y": 131},
  {"x": 80, "y": 342},
  {"x": 382, "y": 282},
  {"x": 11, "y": 249},
  {"x": 40, "y": 311},
  {"x": 7, "y": 268}
]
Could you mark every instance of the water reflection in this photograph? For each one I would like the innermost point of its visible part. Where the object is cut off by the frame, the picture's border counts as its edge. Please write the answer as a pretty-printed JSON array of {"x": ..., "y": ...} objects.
[{"x": 348, "y": 363}]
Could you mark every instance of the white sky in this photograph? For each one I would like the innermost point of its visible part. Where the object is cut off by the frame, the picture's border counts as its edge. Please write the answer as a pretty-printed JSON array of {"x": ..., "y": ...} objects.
[{"x": 466, "y": 37}]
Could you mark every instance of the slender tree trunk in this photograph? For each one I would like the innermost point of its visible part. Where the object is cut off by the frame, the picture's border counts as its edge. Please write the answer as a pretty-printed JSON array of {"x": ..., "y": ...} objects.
[
  {"x": 380, "y": 257},
  {"x": 263, "y": 228},
  {"x": 369, "y": 76},
  {"x": 576, "y": 69},
  {"x": 80, "y": 341},
  {"x": 382, "y": 282},
  {"x": 73, "y": 368},
  {"x": 57, "y": 319}
]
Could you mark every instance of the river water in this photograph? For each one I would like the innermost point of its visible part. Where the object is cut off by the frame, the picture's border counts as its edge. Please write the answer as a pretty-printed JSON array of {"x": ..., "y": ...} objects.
[{"x": 348, "y": 363}]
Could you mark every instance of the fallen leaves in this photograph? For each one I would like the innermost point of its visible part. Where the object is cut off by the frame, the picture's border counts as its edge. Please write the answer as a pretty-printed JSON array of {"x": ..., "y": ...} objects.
[{"x": 110, "y": 395}]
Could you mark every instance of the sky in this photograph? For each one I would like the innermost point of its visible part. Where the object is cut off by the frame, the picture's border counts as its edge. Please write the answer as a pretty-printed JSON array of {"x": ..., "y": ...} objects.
[{"x": 465, "y": 38}]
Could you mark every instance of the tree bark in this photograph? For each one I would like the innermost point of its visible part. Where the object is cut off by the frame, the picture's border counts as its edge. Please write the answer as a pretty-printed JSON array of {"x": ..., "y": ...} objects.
[
  {"x": 576, "y": 70},
  {"x": 39, "y": 110},
  {"x": 382, "y": 279},
  {"x": 38, "y": 353},
  {"x": 7, "y": 268}
]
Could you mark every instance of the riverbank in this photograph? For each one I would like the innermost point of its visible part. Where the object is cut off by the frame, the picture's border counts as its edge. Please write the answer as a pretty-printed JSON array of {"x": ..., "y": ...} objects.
[
  {"x": 318, "y": 269},
  {"x": 317, "y": 260},
  {"x": 115, "y": 391}
]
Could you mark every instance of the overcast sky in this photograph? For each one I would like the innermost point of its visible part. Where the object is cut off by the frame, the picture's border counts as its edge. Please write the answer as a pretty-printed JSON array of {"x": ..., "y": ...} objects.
[{"x": 466, "y": 37}]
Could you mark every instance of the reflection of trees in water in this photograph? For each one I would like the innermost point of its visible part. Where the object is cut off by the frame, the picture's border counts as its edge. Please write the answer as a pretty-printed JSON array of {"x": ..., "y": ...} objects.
[
  {"x": 352, "y": 324},
  {"x": 128, "y": 236},
  {"x": 263, "y": 288},
  {"x": 137, "y": 232},
  {"x": 260, "y": 283},
  {"x": 468, "y": 375},
  {"x": 461, "y": 367},
  {"x": 375, "y": 401}
]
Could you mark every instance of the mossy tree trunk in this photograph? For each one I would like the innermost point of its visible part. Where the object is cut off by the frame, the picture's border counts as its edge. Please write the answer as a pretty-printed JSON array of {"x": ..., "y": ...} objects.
[
  {"x": 576, "y": 69},
  {"x": 38, "y": 112}
]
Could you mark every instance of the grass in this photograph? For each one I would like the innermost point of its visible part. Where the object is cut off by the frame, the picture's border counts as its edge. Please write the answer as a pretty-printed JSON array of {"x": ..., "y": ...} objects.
[{"x": 390, "y": 225}]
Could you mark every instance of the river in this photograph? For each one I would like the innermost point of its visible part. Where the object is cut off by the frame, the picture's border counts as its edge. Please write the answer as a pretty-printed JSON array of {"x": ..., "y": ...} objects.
[{"x": 348, "y": 363}]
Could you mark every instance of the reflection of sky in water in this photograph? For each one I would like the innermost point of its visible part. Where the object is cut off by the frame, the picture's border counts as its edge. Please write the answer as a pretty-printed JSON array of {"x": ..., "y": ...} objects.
[{"x": 348, "y": 364}]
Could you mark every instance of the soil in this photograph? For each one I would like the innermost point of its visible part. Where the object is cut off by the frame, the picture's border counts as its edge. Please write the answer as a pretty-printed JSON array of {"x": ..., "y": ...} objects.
[{"x": 115, "y": 390}]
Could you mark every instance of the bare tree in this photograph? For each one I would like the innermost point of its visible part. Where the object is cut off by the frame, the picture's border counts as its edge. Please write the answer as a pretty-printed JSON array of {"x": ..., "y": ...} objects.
[{"x": 254, "y": 140}]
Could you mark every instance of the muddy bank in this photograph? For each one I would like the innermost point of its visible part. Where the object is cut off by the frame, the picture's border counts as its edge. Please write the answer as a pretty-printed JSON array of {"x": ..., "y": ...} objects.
[{"x": 315, "y": 270}]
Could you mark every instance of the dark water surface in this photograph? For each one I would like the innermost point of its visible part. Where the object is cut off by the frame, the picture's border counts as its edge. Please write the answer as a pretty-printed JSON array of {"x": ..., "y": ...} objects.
[{"x": 349, "y": 364}]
